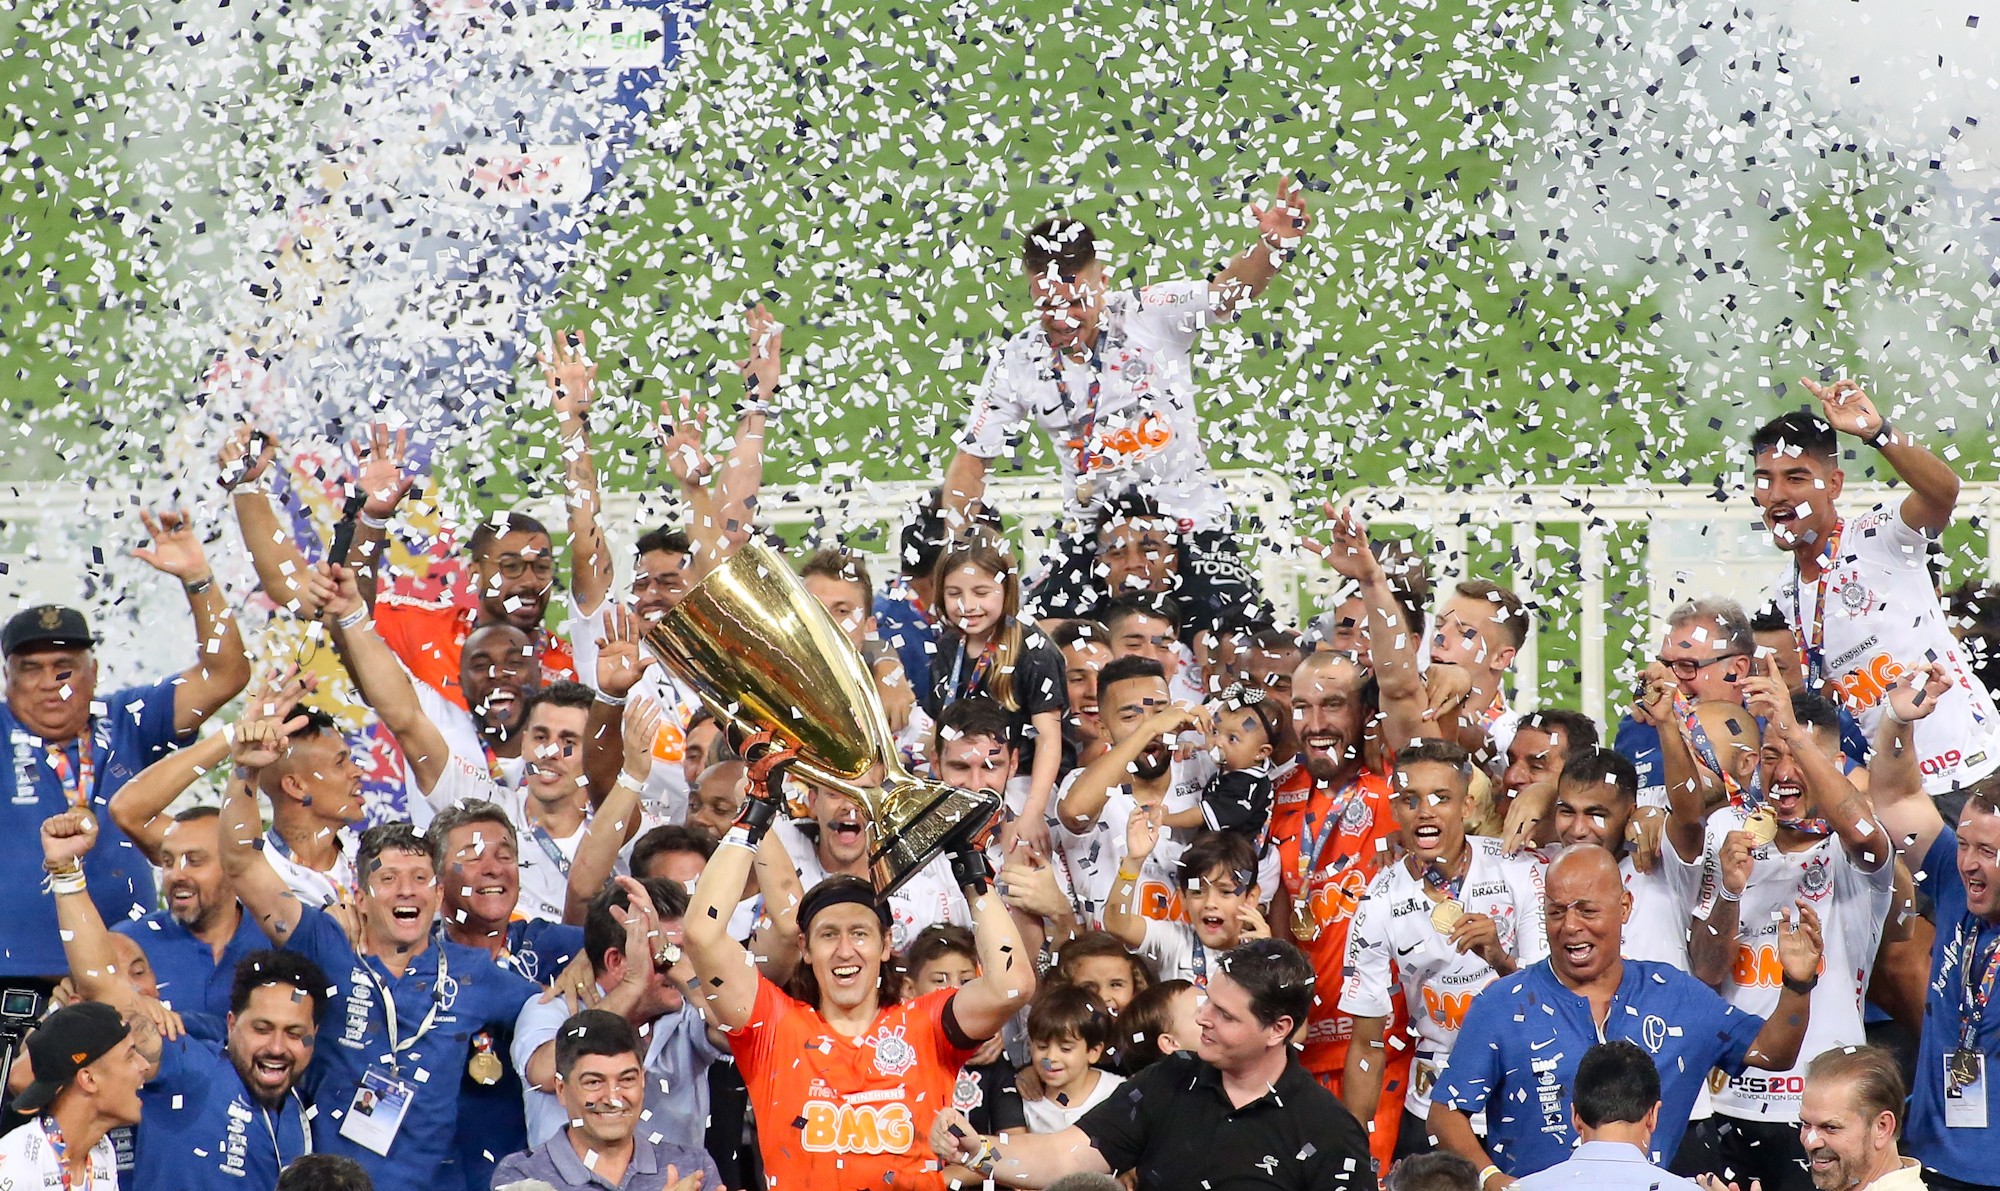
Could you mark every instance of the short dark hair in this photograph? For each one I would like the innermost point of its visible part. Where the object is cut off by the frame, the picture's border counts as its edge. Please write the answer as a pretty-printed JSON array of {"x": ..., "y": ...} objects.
[
  {"x": 1437, "y": 752},
  {"x": 594, "y": 1032},
  {"x": 499, "y": 525},
  {"x": 1768, "y": 619},
  {"x": 1616, "y": 1083},
  {"x": 602, "y": 933},
  {"x": 472, "y": 810},
  {"x": 1146, "y": 1017},
  {"x": 1068, "y": 244},
  {"x": 664, "y": 540},
  {"x": 937, "y": 941},
  {"x": 667, "y": 839},
  {"x": 1277, "y": 975},
  {"x": 325, "y": 1172},
  {"x": 1578, "y": 731},
  {"x": 1602, "y": 766},
  {"x": 842, "y": 566},
  {"x": 396, "y": 836},
  {"x": 1877, "y": 1078},
  {"x": 195, "y": 814},
  {"x": 1063, "y": 1010},
  {"x": 1815, "y": 710},
  {"x": 261, "y": 968},
  {"x": 1079, "y": 628},
  {"x": 1439, "y": 1170},
  {"x": 1100, "y": 944},
  {"x": 1508, "y": 609},
  {"x": 561, "y": 693},
  {"x": 1140, "y": 603},
  {"x": 1118, "y": 670},
  {"x": 1211, "y": 850},
  {"x": 972, "y": 717},
  {"x": 1801, "y": 429}
]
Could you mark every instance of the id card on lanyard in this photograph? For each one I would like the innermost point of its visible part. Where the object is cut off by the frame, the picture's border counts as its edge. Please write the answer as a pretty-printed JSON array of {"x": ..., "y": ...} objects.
[
  {"x": 1965, "y": 1066},
  {"x": 376, "y": 1113}
]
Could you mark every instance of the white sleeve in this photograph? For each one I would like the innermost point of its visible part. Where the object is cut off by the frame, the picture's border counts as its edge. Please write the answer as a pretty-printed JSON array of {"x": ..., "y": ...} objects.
[
  {"x": 538, "y": 1022},
  {"x": 461, "y": 781},
  {"x": 1172, "y": 313},
  {"x": 996, "y": 410},
  {"x": 1531, "y": 932},
  {"x": 1169, "y": 947},
  {"x": 583, "y": 632},
  {"x": 1369, "y": 985}
]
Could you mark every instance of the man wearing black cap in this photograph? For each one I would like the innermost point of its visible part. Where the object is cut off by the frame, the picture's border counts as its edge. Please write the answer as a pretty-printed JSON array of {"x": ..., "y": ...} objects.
[
  {"x": 844, "y": 1074},
  {"x": 87, "y": 1076},
  {"x": 64, "y": 752}
]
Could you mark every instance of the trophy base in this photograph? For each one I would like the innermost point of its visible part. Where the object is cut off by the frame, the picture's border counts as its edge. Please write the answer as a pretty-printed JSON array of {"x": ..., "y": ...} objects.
[{"x": 929, "y": 820}]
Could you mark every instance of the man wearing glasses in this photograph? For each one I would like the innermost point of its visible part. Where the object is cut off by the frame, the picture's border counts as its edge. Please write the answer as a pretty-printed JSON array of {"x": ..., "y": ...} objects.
[{"x": 1709, "y": 650}]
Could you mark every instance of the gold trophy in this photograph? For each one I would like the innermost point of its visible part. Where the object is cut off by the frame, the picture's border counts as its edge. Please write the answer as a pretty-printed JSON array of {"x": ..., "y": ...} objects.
[{"x": 763, "y": 655}]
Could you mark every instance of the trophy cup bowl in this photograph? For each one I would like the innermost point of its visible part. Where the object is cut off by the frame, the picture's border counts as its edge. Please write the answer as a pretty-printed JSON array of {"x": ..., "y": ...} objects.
[{"x": 762, "y": 654}]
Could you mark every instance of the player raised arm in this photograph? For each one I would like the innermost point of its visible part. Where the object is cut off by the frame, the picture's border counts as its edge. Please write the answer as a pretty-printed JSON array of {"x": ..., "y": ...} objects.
[
  {"x": 1933, "y": 485},
  {"x": 570, "y": 373},
  {"x": 1084, "y": 800},
  {"x": 1006, "y": 968},
  {"x": 616, "y": 819},
  {"x": 379, "y": 676},
  {"x": 727, "y": 972},
  {"x": 1279, "y": 229},
  {"x": 221, "y": 668},
  {"x": 1895, "y": 784},
  {"x": 242, "y": 465},
  {"x": 259, "y": 741},
  {"x": 1392, "y": 640}
]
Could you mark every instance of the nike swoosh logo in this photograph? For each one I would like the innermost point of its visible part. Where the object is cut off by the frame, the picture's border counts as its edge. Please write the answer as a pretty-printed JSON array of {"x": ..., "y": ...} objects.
[{"x": 1410, "y": 948}]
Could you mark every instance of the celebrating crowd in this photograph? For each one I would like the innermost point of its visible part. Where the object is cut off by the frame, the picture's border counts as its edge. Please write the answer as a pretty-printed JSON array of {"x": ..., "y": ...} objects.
[{"x": 1262, "y": 907}]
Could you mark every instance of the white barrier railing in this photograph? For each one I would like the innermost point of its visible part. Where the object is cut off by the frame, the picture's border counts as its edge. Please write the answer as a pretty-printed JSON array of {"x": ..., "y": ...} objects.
[{"x": 1696, "y": 541}]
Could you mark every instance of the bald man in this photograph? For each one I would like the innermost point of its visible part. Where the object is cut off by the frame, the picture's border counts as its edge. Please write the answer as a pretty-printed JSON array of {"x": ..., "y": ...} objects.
[{"x": 1517, "y": 1054}]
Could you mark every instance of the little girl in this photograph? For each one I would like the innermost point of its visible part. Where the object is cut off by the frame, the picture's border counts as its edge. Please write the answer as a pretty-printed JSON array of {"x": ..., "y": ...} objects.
[
  {"x": 1067, "y": 1034},
  {"x": 986, "y": 650},
  {"x": 1238, "y": 798},
  {"x": 1096, "y": 962}
]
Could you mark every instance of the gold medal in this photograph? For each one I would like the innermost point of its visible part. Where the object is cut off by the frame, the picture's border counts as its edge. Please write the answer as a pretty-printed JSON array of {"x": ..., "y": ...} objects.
[
  {"x": 1446, "y": 914},
  {"x": 1762, "y": 826},
  {"x": 484, "y": 1068},
  {"x": 1305, "y": 927}
]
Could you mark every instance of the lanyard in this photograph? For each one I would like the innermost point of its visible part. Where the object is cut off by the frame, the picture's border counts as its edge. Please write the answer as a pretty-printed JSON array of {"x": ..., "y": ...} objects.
[
  {"x": 540, "y": 835},
  {"x": 1308, "y": 861},
  {"x": 76, "y": 792},
  {"x": 397, "y": 1046},
  {"x": 1082, "y": 442},
  {"x": 492, "y": 762},
  {"x": 1971, "y": 1004},
  {"x": 1813, "y": 648},
  {"x": 60, "y": 1148},
  {"x": 1435, "y": 878},
  {"x": 979, "y": 668},
  {"x": 1200, "y": 962}
]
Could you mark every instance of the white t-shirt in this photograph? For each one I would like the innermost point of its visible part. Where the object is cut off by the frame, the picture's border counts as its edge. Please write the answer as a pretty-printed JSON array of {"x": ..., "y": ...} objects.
[
  {"x": 313, "y": 887},
  {"x": 1046, "y": 1116},
  {"x": 927, "y": 899},
  {"x": 29, "y": 1163},
  {"x": 1882, "y": 616},
  {"x": 1392, "y": 940},
  {"x": 1852, "y": 906},
  {"x": 544, "y": 860},
  {"x": 1177, "y": 954},
  {"x": 462, "y": 740},
  {"x": 666, "y": 785},
  {"x": 1095, "y": 852},
  {"x": 1145, "y": 434}
]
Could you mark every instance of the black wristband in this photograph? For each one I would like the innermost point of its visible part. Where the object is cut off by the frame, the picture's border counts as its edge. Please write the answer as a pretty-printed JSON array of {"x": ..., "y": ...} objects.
[
  {"x": 1881, "y": 435},
  {"x": 756, "y": 816},
  {"x": 971, "y": 870},
  {"x": 1802, "y": 987}
]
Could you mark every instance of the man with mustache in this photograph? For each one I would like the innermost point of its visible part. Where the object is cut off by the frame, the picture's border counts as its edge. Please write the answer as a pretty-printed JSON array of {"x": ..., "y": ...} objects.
[
  {"x": 601, "y": 1079},
  {"x": 212, "y": 1117},
  {"x": 1814, "y": 838},
  {"x": 1858, "y": 592}
]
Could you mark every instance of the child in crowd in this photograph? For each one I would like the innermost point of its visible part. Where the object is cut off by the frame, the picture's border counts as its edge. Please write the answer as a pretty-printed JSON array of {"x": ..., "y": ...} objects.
[
  {"x": 1218, "y": 880},
  {"x": 1158, "y": 1022},
  {"x": 1096, "y": 962},
  {"x": 1238, "y": 797},
  {"x": 945, "y": 956},
  {"x": 1068, "y": 1034},
  {"x": 988, "y": 650}
]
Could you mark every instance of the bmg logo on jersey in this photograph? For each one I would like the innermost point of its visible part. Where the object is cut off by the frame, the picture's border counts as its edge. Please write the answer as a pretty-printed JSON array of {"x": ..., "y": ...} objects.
[{"x": 858, "y": 1128}]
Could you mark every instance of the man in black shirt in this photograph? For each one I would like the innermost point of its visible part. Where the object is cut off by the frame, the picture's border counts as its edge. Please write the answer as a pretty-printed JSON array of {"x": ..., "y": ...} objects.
[{"x": 1240, "y": 1113}]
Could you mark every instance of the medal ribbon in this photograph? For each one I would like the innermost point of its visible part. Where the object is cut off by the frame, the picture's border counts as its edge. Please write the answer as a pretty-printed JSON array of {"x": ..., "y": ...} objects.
[
  {"x": 1082, "y": 441},
  {"x": 1813, "y": 649},
  {"x": 541, "y": 836},
  {"x": 59, "y": 1146},
  {"x": 980, "y": 667},
  {"x": 1971, "y": 1004},
  {"x": 1435, "y": 878},
  {"x": 76, "y": 792},
  {"x": 1309, "y": 861},
  {"x": 1744, "y": 800}
]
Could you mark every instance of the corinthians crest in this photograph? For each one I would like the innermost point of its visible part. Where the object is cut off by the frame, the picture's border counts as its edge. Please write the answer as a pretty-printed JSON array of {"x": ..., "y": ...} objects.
[{"x": 893, "y": 1053}]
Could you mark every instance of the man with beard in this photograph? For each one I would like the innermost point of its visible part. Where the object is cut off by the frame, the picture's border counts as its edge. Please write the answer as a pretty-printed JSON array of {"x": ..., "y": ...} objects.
[
  {"x": 1517, "y": 1055},
  {"x": 212, "y": 1116},
  {"x": 608, "y": 1139},
  {"x": 409, "y": 1005},
  {"x": 844, "y": 1073},
  {"x": 1858, "y": 592},
  {"x": 1448, "y": 919},
  {"x": 69, "y": 744},
  {"x": 1814, "y": 840},
  {"x": 1849, "y": 1119},
  {"x": 1542, "y": 744},
  {"x": 195, "y": 943},
  {"x": 834, "y": 841},
  {"x": 633, "y": 938}
]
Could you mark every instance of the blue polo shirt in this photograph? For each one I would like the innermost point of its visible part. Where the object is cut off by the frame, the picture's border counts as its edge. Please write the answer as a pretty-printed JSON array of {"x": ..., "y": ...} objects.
[
  {"x": 204, "y": 1131},
  {"x": 1964, "y": 1154},
  {"x": 1516, "y": 1055},
  {"x": 191, "y": 979},
  {"x": 474, "y": 995},
  {"x": 492, "y": 1118},
  {"x": 129, "y": 730},
  {"x": 902, "y": 623}
]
